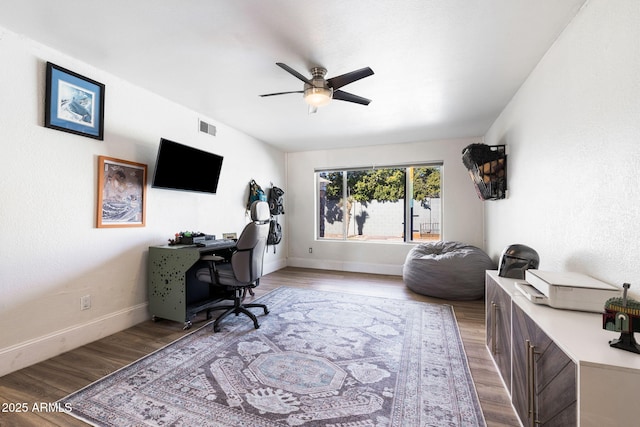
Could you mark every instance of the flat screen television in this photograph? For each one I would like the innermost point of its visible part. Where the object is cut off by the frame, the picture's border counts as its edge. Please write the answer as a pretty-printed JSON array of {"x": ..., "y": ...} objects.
[{"x": 180, "y": 167}]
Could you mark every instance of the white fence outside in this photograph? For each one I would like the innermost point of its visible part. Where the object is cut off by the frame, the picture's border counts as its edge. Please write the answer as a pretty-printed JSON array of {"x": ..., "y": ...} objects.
[{"x": 383, "y": 219}]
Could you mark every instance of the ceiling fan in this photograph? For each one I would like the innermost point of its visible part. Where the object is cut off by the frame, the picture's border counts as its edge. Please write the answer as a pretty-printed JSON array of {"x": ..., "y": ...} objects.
[{"x": 319, "y": 91}]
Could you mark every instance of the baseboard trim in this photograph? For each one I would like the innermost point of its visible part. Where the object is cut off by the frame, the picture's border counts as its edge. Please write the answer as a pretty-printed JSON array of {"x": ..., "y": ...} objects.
[
  {"x": 47, "y": 346},
  {"x": 270, "y": 267},
  {"x": 356, "y": 267}
]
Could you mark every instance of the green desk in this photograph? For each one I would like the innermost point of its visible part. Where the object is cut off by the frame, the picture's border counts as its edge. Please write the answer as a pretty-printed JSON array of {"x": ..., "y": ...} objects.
[{"x": 174, "y": 292}]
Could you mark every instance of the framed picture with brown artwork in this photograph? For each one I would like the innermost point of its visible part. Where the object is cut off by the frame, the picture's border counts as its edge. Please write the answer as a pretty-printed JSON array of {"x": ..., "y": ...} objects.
[{"x": 122, "y": 193}]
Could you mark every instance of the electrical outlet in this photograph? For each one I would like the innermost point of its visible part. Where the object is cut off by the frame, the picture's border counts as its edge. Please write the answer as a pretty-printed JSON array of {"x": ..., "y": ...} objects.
[
  {"x": 310, "y": 250},
  {"x": 85, "y": 302}
]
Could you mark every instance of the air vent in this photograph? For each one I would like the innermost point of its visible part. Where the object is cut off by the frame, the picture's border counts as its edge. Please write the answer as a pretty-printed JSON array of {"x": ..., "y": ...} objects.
[{"x": 207, "y": 128}]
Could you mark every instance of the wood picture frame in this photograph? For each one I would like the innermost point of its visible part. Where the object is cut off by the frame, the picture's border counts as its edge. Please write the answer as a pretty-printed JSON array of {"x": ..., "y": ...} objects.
[
  {"x": 122, "y": 193},
  {"x": 74, "y": 103}
]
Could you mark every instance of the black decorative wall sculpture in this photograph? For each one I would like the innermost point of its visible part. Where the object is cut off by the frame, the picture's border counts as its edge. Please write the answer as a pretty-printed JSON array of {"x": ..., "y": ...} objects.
[{"x": 487, "y": 166}]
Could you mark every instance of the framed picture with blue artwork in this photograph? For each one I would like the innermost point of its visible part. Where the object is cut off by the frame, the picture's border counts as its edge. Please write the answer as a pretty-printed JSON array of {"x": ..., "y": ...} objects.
[
  {"x": 74, "y": 103},
  {"x": 121, "y": 193}
]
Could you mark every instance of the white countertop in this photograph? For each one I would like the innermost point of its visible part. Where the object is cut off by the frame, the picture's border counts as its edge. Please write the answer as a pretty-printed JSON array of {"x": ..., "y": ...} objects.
[{"x": 579, "y": 334}]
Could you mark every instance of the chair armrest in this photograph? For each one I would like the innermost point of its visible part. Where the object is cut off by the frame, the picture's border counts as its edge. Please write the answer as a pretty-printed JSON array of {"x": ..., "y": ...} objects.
[{"x": 212, "y": 258}]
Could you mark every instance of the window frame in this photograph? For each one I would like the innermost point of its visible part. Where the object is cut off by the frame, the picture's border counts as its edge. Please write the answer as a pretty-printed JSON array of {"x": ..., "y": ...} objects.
[{"x": 407, "y": 206}]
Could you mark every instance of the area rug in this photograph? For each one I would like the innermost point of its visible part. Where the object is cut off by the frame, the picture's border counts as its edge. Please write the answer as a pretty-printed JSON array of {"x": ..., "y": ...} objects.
[{"x": 319, "y": 359}]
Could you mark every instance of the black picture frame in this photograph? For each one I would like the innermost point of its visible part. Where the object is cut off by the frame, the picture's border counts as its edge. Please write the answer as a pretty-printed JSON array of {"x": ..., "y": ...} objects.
[{"x": 74, "y": 103}]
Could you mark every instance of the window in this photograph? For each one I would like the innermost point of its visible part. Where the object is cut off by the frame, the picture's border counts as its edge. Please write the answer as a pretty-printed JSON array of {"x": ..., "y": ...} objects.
[{"x": 372, "y": 204}]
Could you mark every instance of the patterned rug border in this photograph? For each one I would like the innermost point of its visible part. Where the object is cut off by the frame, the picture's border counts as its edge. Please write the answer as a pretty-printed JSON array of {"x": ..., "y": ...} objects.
[{"x": 232, "y": 328}]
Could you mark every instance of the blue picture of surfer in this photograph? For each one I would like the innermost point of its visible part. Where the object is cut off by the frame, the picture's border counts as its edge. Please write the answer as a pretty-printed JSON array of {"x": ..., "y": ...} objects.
[{"x": 75, "y": 104}]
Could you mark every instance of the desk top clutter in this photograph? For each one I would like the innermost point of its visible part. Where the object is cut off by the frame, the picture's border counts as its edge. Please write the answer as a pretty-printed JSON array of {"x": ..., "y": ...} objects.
[
  {"x": 200, "y": 240},
  {"x": 190, "y": 238}
]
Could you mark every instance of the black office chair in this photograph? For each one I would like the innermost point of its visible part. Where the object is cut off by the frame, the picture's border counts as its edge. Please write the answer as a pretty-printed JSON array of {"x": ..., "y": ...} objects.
[{"x": 244, "y": 269}]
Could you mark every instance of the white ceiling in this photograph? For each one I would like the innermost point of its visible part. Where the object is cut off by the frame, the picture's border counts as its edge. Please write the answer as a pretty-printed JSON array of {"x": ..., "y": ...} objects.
[{"x": 443, "y": 68}]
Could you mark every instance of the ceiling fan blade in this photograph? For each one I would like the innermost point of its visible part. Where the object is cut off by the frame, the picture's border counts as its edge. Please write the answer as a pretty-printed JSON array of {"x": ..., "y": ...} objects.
[
  {"x": 282, "y": 93},
  {"x": 293, "y": 72},
  {"x": 344, "y": 79},
  {"x": 346, "y": 96}
]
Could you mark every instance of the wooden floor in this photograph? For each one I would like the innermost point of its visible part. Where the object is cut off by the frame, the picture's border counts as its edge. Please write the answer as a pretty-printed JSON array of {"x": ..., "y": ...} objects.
[{"x": 48, "y": 381}]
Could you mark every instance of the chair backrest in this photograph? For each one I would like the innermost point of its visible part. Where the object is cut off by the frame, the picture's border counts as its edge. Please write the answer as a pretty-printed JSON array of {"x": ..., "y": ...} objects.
[{"x": 250, "y": 248}]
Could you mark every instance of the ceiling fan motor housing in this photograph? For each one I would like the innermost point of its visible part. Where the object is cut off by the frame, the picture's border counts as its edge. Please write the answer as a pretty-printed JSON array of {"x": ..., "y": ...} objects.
[
  {"x": 318, "y": 93},
  {"x": 318, "y": 73}
]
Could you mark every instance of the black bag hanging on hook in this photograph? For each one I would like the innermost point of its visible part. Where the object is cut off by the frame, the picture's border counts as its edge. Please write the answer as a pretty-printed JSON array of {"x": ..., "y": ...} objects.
[
  {"x": 276, "y": 207},
  {"x": 276, "y": 203},
  {"x": 275, "y": 233}
]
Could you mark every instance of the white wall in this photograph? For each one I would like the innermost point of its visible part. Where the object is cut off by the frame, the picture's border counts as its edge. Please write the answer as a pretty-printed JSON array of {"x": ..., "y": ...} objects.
[
  {"x": 573, "y": 139},
  {"x": 51, "y": 253},
  {"x": 461, "y": 210}
]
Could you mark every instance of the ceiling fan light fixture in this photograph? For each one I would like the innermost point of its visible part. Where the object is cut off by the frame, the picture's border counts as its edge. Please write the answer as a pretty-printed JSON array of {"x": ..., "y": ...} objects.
[{"x": 318, "y": 96}]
